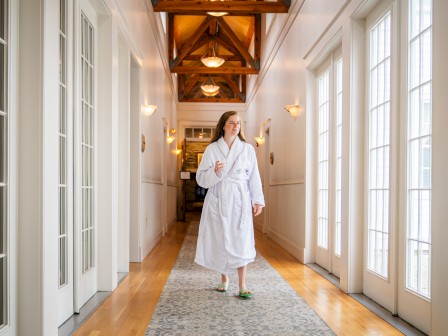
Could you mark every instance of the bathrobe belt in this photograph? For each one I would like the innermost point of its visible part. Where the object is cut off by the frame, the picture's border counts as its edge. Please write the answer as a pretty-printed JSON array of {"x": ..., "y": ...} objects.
[{"x": 242, "y": 187}]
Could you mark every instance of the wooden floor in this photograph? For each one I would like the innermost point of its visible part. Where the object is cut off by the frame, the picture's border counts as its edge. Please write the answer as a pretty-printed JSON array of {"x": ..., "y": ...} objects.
[{"x": 128, "y": 310}]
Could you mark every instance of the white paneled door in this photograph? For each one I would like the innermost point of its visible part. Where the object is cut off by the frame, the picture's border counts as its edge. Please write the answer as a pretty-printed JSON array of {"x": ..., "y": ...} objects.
[
  {"x": 414, "y": 294},
  {"x": 329, "y": 161},
  {"x": 380, "y": 247},
  {"x": 85, "y": 144},
  {"x": 65, "y": 184}
]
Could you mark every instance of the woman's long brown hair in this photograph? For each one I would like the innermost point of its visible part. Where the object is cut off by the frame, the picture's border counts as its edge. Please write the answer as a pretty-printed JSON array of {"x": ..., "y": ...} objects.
[{"x": 219, "y": 131}]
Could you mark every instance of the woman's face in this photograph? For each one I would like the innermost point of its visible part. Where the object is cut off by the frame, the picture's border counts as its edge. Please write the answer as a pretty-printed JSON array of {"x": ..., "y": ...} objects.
[{"x": 232, "y": 125}]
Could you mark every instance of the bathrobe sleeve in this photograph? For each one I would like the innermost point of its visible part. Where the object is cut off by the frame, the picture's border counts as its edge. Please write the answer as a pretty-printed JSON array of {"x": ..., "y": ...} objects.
[
  {"x": 206, "y": 175},
  {"x": 255, "y": 187}
]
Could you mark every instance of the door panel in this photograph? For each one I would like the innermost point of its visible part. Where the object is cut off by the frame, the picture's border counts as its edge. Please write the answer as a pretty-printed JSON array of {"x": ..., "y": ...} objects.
[
  {"x": 65, "y": 237},
  {"x": 85, "y": 157}
]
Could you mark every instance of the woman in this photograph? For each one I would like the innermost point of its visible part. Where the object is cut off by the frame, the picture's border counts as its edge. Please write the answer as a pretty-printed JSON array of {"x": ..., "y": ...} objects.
[{"x": 229, "y": 171}]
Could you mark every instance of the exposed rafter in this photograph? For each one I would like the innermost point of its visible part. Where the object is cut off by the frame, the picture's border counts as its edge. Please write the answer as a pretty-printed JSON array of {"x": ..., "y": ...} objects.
[{"x": 235, "y": 37}]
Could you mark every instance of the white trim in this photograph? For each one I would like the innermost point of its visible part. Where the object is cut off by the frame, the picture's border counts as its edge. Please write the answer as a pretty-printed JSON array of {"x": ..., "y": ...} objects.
[
  {"x": 149, "y": 246},
  {"x": 159, "y": 182},
  {"x": 286, "y": 182}
]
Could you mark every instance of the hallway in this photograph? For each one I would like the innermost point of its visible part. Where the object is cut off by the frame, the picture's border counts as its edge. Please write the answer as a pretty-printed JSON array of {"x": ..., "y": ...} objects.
[
  {"x": 129, "y": 308},
  {"x": 104, "y": 124}
]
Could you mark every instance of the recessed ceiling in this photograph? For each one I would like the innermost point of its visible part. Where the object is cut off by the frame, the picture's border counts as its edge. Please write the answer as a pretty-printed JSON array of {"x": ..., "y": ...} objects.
[{"x": 235, "y": 37}]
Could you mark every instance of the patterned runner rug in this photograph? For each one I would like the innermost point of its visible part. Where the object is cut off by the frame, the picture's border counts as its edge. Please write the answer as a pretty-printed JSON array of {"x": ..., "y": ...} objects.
[{"x": 189, "y": 305}]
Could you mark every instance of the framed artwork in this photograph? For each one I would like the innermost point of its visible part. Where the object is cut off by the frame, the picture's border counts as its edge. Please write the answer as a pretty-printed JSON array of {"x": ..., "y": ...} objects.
[{"x": 200, "y": 158}]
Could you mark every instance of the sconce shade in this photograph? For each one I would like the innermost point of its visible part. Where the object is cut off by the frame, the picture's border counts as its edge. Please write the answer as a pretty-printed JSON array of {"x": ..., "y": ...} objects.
[
  {"x": 170, "y": 139},
  {"x": 149, "y": 110},
  {"x": 260, "y": 140},
  {"x": 293, "y": 110},
  {"x": 177, "y": 151}
]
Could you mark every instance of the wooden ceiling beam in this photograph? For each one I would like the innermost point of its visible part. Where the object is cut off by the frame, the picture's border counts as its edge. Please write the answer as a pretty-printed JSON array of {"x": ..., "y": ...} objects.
[
  {"x": 227, "y": 30},
  {"x": 212, "y": 100},
  {"x": 230, "y": 6},
  {"x": 230, "y": 58},
  {"x": 190, "y": 83},
  {"x": 188, "y": 45},
  {"x": 214, "y": 71},
  {"x": 233, "y": 85}
]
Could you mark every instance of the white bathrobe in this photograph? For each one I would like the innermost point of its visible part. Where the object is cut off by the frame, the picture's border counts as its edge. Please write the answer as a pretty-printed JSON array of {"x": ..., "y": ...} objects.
[{"x": 226, "y": 232}]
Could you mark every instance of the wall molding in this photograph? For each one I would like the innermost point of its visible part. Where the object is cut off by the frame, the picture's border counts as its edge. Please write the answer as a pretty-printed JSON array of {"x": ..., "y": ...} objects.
[
  {"x": 158, "y": 182},
  {"x": 327, "y": 29},
  {"x": 286, "y": 182},
  {"x": 270, "y": 55}
]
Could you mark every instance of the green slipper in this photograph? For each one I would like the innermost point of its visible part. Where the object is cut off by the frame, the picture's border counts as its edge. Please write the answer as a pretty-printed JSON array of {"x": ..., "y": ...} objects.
[
  {"x": 222, "y": 287},
  {"x": 244, "y": 293}
]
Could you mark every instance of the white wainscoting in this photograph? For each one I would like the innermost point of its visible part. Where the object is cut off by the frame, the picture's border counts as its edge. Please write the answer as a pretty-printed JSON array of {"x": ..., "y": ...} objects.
[
  {"x": 287, "y": 216},
  {"x": 151, "y": 218}
]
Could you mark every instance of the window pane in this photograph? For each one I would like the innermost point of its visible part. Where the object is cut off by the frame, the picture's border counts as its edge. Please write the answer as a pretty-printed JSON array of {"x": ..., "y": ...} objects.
[
  {"x": 2, "y": 221},
  {"x": 425, "y": 271},
  {"x": 3, "y": 287},
  {"x": 419, "y": 147},
  {"x": 2, "y": 78},
  {"x": 188, "y": 133},
  {"x": 197, "y": 132},
  {"x": 2, "y": 148},
  {"x": 323, "y": 157},
  {"x": 379, "y": 143},
  {"x": 3, "y": 19}
]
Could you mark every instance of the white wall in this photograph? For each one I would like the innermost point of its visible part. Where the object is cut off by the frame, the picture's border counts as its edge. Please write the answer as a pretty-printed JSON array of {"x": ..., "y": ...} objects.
[{"x": 147, "y": 41}]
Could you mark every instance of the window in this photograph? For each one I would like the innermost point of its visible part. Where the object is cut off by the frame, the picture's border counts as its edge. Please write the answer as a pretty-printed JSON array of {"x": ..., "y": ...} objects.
[
  {"x": 63, "y": 244},
  {"x": 199, "y": 133},
  {"x": 4, "y": 243},
  {"x": 323, "y": 158},
  {"x": 379, "y": 77},
  {"x": 338, "y": 181},
  {"x": 419, "y": 147},
  {"x": 87, "y": 144}
]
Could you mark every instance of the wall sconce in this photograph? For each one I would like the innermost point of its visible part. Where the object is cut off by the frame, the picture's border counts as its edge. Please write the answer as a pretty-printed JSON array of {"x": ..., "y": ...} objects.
[
  {"x": 149, "y": 110},
  {"x": 177, "y": 151},
  {"x": 259, "y": 140},
  {"x": 294, "y": 110},
  {"x": 170, "y": 138},
  {"x": 143, "y": 141}
]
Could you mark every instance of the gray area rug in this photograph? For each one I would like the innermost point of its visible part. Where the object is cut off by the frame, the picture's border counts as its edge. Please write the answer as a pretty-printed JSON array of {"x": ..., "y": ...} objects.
[{"x": 190, "y": 306}]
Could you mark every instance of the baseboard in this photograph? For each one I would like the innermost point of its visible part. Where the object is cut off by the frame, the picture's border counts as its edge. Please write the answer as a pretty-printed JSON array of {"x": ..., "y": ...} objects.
[
  {"x": 151, "y": 244},
  {"x": 172, "y": 222},
  {"x": 296, "y": 251}
]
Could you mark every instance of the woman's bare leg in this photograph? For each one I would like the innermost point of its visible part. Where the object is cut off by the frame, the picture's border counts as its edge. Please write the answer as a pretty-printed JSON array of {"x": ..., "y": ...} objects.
[
  {"x": 224, "y": 278},
  {"x": 242, "y": 277}
]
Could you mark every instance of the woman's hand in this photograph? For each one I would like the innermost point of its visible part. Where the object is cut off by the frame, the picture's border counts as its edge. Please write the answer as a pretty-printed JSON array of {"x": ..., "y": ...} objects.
[
  {"x": 219, "y": 166},
  {"x": 257, "y": 209}
]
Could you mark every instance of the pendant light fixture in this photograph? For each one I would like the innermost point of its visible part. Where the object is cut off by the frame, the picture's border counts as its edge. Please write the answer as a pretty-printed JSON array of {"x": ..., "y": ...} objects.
[
  {"x": 213, "y": 61},
  {"x": 217, "y": 13},
  {"x": 209, "y": 88}
]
